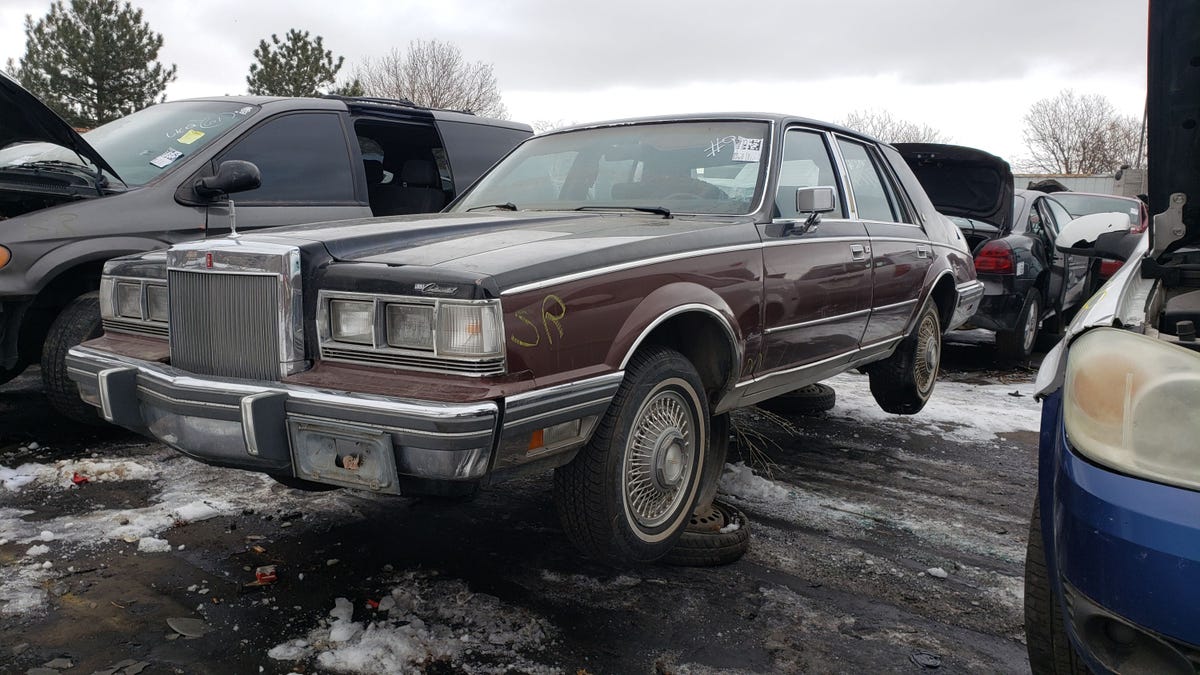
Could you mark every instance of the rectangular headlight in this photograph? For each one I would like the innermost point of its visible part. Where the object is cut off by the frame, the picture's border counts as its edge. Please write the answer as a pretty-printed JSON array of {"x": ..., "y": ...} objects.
[
  {"x": 156, "y": 303},
  {"x": 352, "y": 321},
  {"x": 410, "y": 326},
  {"x": 129, "y": 300},
  {"x": 469, "y": 330}
]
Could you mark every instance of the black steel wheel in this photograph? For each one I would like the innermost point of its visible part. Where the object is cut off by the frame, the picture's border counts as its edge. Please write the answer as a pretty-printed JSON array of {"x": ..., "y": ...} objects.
[
  {"x": 814, "y": 398},
  {"x": 79, "y": 321},
  {"x": 1046, "y": 640},
  {"x": 629, "y": 493},
  {"x": 716, "y": 535},
  {"x": 1017, "y": 345},
  {"x": 903, "y": 382}
]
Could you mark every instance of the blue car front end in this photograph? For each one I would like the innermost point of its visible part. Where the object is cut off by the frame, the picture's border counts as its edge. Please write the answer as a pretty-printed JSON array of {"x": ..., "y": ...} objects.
[{"x": 1122, "y": 558}]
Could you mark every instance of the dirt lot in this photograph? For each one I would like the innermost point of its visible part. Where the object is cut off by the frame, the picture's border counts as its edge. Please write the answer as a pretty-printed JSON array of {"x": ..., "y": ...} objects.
[{"x": 850, "y": 512}]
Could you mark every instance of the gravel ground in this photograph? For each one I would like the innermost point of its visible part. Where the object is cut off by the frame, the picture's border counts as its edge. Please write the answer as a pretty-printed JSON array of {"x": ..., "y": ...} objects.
[{"x": 879, "y": 543}]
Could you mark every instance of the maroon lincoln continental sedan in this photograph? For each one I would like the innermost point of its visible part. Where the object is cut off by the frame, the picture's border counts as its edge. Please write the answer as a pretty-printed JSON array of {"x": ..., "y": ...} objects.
[{"x": 593, "y": 305}]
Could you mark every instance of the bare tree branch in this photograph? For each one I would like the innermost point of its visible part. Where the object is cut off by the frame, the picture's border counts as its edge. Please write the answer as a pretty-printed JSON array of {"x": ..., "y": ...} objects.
[
  {"x": 1080, "y": 134},
  {"x": 883, "y": 125},
  {"x": 435, "y": 74}
]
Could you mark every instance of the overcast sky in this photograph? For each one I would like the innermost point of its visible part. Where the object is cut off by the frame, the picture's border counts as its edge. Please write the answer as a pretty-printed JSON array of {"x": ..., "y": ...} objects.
[{"x": 970, "y": 68}]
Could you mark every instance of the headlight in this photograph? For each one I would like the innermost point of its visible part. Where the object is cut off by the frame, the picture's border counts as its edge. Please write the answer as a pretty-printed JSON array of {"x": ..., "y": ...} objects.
[
  {"x": 410, "y": 326},
  {"x": 352, "y": 321},
  {"x": 469, "y": 330},
  {"x": 1130, "y": 403},
  {"x": 156, "y": 303},
  {"x": 129, "y": 300}
]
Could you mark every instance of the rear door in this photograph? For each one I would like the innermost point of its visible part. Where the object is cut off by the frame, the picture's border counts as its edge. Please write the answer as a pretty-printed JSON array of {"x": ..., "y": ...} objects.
[
  {"x": 817, "y": 288},
  {"x": 901, "y": 253}
]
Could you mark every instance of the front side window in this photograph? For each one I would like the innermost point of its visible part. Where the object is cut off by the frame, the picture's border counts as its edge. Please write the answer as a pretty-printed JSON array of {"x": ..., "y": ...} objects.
[
  {"x": 806, "y": 163},
  {"x": 687, "y": 167},
  {"x": 303, "y": 158}
]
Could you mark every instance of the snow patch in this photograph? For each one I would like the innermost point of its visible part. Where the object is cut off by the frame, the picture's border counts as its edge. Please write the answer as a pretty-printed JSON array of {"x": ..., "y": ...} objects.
[
  {"x": 739, "y": 480},
  {"x": 153, "y": 545},
  {"x": 40, "y": 549},
  {"x": 957, "y": 412},
  {"x": 61, "y": 472},
  {"x": 432, "y": 619}
]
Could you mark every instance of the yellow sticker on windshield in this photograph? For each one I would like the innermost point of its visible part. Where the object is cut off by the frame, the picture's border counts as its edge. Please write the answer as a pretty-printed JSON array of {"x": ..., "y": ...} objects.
[{"x": 190, "y": 137}]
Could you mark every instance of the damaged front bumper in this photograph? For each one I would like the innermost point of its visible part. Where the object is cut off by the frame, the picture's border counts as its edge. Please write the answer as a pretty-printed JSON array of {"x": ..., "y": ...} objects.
[{"x": 379, "y": 443}]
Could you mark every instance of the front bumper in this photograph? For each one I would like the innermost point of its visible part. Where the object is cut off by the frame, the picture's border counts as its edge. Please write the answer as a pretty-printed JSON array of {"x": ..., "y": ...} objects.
[
  {"x": 1126, "y": 554},
  {"x": 384, "y": 444}
]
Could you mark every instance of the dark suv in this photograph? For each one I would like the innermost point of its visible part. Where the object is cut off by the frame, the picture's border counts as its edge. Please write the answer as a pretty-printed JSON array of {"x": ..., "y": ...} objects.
[{"x": 68, "y": 202}]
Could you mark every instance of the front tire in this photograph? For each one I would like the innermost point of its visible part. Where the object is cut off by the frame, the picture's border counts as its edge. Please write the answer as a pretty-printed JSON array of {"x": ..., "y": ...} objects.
[
  {"x": 78, "y": 322},
  {"x": 1017, "y": 345},
  {"x": 903, "y": 382},
  {"x": 629, "y": 493},
  {"x": 1050, "y": 649}
]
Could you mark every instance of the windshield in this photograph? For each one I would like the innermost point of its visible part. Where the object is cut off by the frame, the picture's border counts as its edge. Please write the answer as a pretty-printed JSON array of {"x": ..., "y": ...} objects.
[
  {"x": 145, "y": 144},
  {"x": 687, "y": 167},
  {"x": 1084, "y": 205}
]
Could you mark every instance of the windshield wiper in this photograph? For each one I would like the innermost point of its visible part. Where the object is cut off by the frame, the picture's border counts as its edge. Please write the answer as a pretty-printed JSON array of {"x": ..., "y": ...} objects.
[
  {"x": 507, "y": 206},
  {"x": 99, "y": 181},
  {"x": 660, "y": 210}
]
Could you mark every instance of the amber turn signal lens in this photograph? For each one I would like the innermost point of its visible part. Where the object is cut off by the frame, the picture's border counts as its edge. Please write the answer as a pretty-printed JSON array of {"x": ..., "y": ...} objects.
[{"x": 5, "y": 256}]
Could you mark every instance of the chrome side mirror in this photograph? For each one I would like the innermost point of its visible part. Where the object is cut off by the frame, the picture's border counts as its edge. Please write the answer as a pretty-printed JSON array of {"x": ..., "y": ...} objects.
[{"x": 815, "y": 199}]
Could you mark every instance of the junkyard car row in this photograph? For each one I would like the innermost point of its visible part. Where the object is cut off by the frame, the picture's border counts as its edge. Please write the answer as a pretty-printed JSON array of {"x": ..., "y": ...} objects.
[{"x": 600, "y": 300}]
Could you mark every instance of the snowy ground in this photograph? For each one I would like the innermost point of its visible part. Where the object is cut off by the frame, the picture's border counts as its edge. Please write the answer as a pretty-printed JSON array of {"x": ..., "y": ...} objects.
[{"x": 874, "y": 537}]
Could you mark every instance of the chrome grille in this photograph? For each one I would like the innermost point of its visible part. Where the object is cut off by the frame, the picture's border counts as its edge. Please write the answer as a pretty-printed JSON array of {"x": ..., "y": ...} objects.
[
  {"x": 225, "y": 324},
  {"x": 413, "y": 362}
]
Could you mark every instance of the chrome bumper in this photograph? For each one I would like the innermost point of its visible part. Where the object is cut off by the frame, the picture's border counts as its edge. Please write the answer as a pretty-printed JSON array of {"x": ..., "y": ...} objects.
[
  {"x": 970, "y": 294},
  {"x": 336, "y": 437}
]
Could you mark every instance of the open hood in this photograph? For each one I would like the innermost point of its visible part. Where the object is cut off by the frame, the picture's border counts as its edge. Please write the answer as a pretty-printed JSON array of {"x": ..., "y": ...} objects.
[
  {"x": 1172, "y": 111},
  {"x": 25, "y": 118},
  {"x": 963, "y": 181}
]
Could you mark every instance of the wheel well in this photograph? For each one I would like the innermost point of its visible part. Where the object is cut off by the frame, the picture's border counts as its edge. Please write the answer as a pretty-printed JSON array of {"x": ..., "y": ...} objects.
[
  {"x": 55, "y": 295},
  {"x": 703, "y": 341},
  {"x": 944, "y": 295}
]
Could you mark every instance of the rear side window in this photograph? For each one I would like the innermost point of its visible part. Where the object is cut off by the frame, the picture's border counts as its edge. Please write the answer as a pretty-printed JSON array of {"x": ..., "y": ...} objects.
[
  {"x": 806, "y": 163},
  {"x": 874, "y": 195},
  {"x": 303, "y": 158}
]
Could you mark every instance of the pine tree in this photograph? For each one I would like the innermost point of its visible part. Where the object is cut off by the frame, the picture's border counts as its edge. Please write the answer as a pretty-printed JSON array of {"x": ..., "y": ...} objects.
[
  {"x": 93, "y": 61},
  {"x": 296, "y": 66}
]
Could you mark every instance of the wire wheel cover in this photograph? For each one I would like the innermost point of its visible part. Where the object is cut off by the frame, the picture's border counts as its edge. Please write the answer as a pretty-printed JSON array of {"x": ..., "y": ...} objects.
[
  {"x": 925, "y": 361},
  {"x": 659, "y": 458}
]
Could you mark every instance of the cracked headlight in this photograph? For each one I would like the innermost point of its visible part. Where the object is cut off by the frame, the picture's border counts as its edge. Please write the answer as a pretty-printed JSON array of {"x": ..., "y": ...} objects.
[{"x": 1130, "y": 402}]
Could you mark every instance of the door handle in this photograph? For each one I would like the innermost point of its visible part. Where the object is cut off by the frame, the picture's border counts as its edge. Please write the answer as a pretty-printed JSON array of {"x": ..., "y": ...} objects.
[
  {"x": 859, "y": 251},
  {"x": 923, "y": 251}
]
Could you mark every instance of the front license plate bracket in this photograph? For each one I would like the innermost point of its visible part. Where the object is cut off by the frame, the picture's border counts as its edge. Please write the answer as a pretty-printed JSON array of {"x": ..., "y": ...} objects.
[{"x": 344, "y": 455}]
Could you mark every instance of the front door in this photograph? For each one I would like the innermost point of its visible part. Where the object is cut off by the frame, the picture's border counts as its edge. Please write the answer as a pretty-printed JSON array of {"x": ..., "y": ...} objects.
[
  {"x": 307, "y": 172},
  {"x": 817, "y": 286}
]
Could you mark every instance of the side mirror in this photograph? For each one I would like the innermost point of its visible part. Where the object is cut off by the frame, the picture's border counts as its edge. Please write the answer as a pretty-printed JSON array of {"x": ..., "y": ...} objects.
[
  {"x": 1099, "y": 235},
  {"x": 816, "y": 199},
  {"x": 233, "y": 175}
]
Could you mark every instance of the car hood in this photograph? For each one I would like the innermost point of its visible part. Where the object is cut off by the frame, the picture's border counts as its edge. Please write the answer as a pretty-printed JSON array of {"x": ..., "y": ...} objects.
[
  {"x": 962, "y": 181},
  {"x": 501, "y": 244},
  {"x": 23, "y": 117},
  {"x": 1173, "y": 97}
]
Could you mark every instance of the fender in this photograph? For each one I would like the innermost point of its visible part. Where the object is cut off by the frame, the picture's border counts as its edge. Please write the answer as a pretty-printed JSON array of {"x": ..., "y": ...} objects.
[
  {"x": 63, "y": 258},
  {"x": 670, "y": 301}
]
